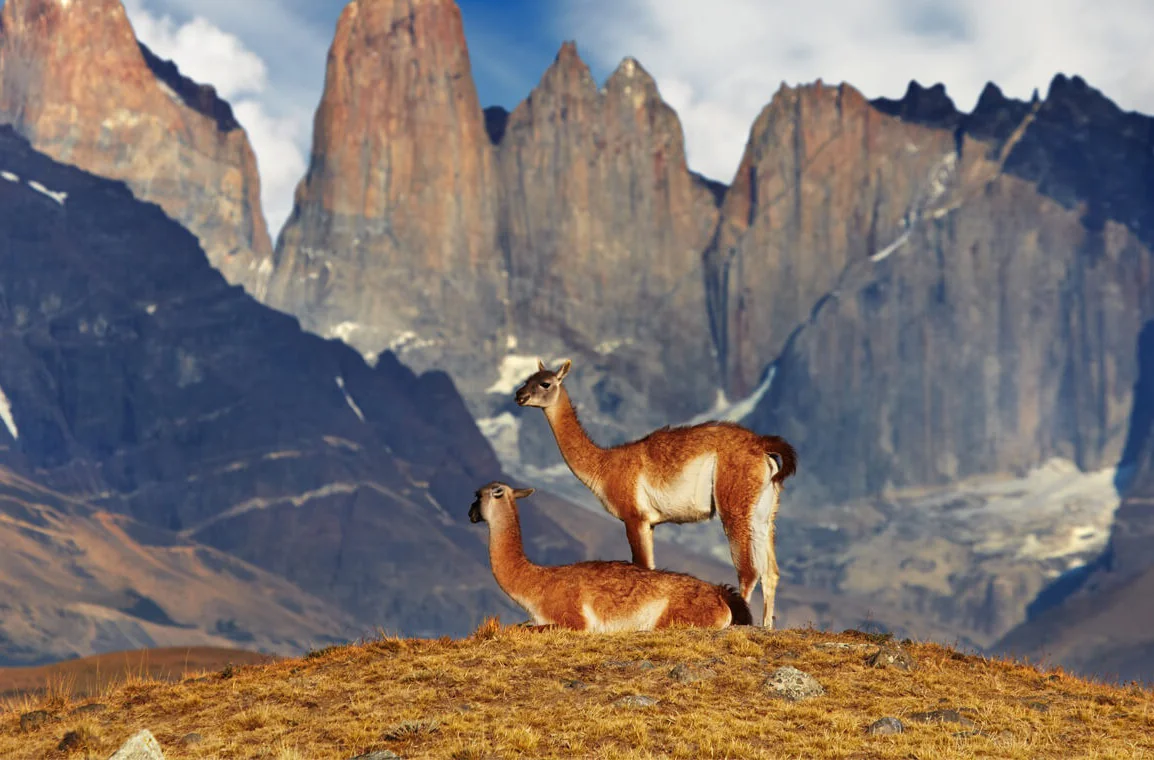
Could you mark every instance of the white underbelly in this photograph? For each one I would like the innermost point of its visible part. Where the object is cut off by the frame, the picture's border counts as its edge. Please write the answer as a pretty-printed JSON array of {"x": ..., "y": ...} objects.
[
  {"x": 687, "y": 497},
  {"x": 642, "y": 618}
]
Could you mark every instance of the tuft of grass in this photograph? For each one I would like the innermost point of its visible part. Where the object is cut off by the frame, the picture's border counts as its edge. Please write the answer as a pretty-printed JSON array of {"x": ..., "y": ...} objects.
[{"x": 507, "y": 691}]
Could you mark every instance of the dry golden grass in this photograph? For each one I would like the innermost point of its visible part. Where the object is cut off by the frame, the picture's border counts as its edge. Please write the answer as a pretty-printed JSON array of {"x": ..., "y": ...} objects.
[
  {"x": 86, "y": 676},
  {"x": 507, "y": 692}
]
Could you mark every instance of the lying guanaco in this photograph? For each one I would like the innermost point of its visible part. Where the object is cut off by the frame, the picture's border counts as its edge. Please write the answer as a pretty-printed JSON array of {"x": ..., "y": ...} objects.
[{"x": 597, "y": 596}]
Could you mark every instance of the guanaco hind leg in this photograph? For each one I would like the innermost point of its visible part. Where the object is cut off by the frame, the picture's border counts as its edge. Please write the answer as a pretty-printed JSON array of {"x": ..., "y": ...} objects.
[
  {"x": 770, "y": 574},
  {"x": 747, "y": 503}
]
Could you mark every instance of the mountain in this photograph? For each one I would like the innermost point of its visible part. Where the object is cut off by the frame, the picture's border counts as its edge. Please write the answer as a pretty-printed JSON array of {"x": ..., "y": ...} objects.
[
  {"x": 992, "y": 322},
  {"x": 77, "y": 84},
  {"x": 181, "y": 464},
  {"x": 137, "y": 380},
  {"x": 857, "y": 239},
  {"x": 510, "y": 234},
  {"x": 925, "y": 302},
  {"x": 941, "y": 310}
]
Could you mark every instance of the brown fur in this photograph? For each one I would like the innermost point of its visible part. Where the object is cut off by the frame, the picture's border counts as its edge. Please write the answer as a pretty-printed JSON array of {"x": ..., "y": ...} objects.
[
  {"x": 739, "y": 478},
  {"x": 595, "y": 595}
]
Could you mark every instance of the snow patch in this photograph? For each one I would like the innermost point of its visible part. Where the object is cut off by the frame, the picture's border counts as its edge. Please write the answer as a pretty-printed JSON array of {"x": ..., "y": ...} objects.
[
  {"x": 502, "y": 433},
  {"x": 57, "y": 196},
  {"x": 512, "y": 372},
  {"x": 409, "y": 341},
  {"x": 609, "y": 346},
  {"x": 150, "y": 309},
  {"x": 725, "y": 411},
  {"x": 343, "y": 331},
  {"x": 10, "y": 176},
  {"x": 348, "y": 398},
  {"x": 885, "y": 252},
  {"x": 6, "y": 415},
  {"x": 510, "y": 342}
]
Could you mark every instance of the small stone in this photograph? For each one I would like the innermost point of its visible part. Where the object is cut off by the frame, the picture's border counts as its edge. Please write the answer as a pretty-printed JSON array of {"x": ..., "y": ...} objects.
[
  {"x": 635, "y": 700},
  {"x": 140, "y": 746},
  {"x": 90, "y": 709},
  {"x": 34, "y": 720},
  {"x": 1039, "y": 706},
  {"x": 381, "y": 754},
  {"x": 885, "y": 727},
  {"x": 73, "y": 740},
  {"x": 683, "y": 673},
  {"x": 575, "y": 684},
  {"x": 891, "y": 656},
  {"x": 191, "y": 738},
  {"x": 792, "y": 684},
  {"x": 942, "y": 716}
]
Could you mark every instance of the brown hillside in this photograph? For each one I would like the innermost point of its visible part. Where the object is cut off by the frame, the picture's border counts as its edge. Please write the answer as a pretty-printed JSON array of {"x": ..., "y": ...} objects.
[
  {"x": 509, "y": 692},
  {"x": 89, "y": 676}
]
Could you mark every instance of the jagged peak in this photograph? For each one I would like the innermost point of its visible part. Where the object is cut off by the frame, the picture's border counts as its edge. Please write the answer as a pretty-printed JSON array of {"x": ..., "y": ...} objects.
[
  {"x": 632, "y": 78},
  {"x": 567, "y": 68},
  {"x": 1075, "y": 89},
  {"x": 991, "y": 95},
  {"x": 922, "y": 105}
]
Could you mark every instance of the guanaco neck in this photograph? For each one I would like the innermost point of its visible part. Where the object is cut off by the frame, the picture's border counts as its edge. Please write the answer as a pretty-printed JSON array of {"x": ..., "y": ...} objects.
[
  {"x": 511, "y": 567},
  {"x": 584, "y": 457}
]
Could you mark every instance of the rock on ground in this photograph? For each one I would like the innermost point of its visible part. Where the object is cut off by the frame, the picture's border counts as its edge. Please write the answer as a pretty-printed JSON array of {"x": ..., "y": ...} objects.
[
  {"x": 792, "y": 684},
  {"x": 140, "y": 746}
]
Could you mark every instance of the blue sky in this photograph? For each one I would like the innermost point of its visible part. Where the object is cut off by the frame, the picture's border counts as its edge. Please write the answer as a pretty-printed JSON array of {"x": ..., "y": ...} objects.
[{"x": 717, "y": 63}]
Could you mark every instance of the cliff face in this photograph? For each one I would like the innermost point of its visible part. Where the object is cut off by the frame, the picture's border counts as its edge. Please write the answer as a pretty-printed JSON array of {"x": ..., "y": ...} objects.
[
  {"x": 826, "y": 181},
  {"x": 475, "y": 241},
  {"x": 602, "y": 227},
  {"x": 75, "y": 82},
  {"x": 391, "y": 237},
  {"x": 997, "y": 327}
]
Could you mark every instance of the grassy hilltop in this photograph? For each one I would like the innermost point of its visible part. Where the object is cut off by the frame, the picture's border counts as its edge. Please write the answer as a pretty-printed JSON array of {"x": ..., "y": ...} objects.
[{"x": 507, "y": 692}]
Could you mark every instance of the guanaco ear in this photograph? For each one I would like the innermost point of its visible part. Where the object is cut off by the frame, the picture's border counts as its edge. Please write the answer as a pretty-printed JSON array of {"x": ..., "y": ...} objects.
[
  {"x": 521, "y": 493},
  {"x": 540, "y": 364},
  {"x": 565, "y": 365}
]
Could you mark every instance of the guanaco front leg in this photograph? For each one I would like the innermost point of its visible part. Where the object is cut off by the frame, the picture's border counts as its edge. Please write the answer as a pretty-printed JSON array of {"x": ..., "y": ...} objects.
[{"x": 640, "y": 535}]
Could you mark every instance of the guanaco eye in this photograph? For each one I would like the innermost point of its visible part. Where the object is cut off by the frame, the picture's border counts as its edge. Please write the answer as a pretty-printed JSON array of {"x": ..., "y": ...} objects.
[
  {"x": 546, "y": 385},
  {"x": 497, "y": 492}
]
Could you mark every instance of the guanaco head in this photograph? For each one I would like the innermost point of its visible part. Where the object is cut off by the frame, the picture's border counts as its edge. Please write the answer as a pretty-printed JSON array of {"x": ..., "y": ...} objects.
[
  {"x": 543, "y": 387},
  {"x": 495, "y": 495}
]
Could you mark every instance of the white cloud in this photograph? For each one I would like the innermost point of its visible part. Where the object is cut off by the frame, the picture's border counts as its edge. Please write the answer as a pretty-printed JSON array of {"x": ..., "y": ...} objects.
[
  {"x": 719, "y": 63},
  {"x": 277, "y": 129}
]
